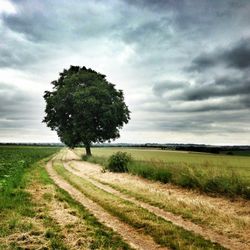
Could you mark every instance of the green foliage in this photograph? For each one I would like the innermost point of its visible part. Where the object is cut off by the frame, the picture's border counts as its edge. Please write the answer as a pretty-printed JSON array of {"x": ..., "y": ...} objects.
[
  {"x": 85, "y": 108},
  {"x": 14, "y": 161},
  {"x": 118, "y": 162}
]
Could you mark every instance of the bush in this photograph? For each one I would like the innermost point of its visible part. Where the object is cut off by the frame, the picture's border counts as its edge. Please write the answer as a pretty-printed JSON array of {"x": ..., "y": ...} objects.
[{"x": 118, "y": 162}]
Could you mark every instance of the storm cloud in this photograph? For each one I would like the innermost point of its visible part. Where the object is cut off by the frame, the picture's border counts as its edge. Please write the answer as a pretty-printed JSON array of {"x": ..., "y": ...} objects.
[
  {"x": 237, "y": 56},
  {"x": 184, "y": 65}
]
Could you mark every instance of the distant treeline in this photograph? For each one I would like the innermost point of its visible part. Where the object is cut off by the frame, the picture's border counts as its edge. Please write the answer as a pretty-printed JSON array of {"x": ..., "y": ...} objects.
[
  {"x": 229, "y": 150},
  {"x": 32, "y": 144}
]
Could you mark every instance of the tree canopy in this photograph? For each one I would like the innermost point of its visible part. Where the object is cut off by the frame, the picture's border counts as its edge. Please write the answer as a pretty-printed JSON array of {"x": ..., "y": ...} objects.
[{"x": 84, "y": 108}]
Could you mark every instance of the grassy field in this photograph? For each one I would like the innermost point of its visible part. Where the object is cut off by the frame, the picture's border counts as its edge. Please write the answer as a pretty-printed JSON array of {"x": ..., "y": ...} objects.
[
  {"x": 14, "y": 160},
  {"x": 210, "y": 173},
  {"x": 36, "y": 214}
]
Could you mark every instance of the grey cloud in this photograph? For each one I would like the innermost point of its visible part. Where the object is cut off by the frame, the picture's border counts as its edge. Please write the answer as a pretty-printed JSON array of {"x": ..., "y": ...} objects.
[
  {"x": 149, "y": 33},
  {"x": 201, "y": 123},
  {"x": 222, "y": 98},
  {"x": 35, "y": 20},
  {"x": 152, "y": 40},
  {"x": 159, "y": 4},
  {"x": 238, "y": 56},
  {"x": 199, "y": 126},
  {"x": 17, "y": 108},
  {"x": 20, "y": 55},
  {"x": 221, "y": 87},
  {"x": 61, "y": 21},
  {"x": 160, "y": 88}
]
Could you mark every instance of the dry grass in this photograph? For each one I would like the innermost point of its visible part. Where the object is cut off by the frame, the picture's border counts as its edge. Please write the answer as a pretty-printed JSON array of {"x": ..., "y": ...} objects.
[
  {"x": 225, "y": 217},
  {"x": 163, "y": 232}
]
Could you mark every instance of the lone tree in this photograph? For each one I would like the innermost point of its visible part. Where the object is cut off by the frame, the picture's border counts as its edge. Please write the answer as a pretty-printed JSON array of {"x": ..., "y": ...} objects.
[{"x": 84, "y": 108}]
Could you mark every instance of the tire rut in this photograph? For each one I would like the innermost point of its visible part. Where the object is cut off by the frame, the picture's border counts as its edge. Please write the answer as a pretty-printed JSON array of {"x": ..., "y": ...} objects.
[
  {"x": 128, "y": 233},
  {"x": 176, "y": 220}
]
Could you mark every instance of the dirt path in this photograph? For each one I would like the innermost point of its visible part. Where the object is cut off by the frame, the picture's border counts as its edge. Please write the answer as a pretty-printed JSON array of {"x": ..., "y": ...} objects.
[
  {"x": 176, "y": 220},
  {"x": 128, "y": 233},
  {"x": 92, "y": 173}
]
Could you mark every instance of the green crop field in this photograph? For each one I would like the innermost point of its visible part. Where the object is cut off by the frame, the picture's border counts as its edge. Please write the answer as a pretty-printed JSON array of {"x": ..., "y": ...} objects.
[
  {"x": 240, "y": 164},
  {"x": 214, "y": 173},
  {"x": 13, "y": 160}
]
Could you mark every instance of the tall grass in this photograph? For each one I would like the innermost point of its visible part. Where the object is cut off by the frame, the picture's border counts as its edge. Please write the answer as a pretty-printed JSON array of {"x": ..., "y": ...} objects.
[{"x": 207, "y": 178}]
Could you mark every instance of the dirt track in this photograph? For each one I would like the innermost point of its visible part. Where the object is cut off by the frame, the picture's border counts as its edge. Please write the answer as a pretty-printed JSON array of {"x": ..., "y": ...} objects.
[
  {"x": 131, "y": 236},
  {"x": 137, "y": 240}
]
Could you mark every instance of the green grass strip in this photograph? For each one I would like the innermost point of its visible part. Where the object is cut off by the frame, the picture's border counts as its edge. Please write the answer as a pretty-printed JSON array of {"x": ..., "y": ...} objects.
[{"x": 17, "y": 206}]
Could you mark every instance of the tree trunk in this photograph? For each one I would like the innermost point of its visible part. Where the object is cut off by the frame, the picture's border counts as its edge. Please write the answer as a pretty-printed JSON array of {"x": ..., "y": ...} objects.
[{"x": 88, "y": 150}]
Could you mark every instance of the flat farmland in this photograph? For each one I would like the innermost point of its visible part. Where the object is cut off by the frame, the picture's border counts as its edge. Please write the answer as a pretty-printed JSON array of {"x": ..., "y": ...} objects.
[
  {"x": 239, "y": 164},
  {"x": 53, "y": 199},
  {"x": 210, "y": 173}
]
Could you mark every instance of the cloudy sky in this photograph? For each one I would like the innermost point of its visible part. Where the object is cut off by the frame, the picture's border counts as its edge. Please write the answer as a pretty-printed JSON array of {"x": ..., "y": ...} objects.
[{"x": 184, "y": 66}]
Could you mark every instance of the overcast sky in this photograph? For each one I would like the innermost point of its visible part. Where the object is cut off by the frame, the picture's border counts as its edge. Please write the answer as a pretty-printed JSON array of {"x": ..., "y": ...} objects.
[{"x": 184, "y": 66}]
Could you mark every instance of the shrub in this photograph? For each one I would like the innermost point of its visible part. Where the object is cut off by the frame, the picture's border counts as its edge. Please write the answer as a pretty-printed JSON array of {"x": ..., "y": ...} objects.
[{"x": 119, "y": 161}]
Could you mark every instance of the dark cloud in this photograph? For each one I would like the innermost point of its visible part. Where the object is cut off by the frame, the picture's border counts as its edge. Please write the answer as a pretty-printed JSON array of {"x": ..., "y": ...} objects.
[
  {"x": 238, "y": 56},
  {"x": 199, "y": 126},
  {"x": 211, "y": 122},
  {"x": 221, "y": 87}
]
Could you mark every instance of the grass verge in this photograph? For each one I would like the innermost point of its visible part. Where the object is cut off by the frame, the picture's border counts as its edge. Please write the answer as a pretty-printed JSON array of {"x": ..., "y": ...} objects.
[{"x": 19, "y": 225}]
